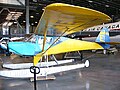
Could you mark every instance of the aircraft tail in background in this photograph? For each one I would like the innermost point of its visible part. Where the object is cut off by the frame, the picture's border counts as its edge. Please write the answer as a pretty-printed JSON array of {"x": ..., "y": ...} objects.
[{"x": 103, "y": 38}]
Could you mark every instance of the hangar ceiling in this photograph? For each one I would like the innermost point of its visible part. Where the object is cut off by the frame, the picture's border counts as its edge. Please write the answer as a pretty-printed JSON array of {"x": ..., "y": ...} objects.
[{"x": 110, "y": 7}]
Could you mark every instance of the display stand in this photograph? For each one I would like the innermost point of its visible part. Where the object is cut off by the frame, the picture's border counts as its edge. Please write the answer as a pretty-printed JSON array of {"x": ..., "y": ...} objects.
[{"x": 33, "y": 69}]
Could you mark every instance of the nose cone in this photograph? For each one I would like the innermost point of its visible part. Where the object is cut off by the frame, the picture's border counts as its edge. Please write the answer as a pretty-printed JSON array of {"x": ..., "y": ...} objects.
[{"x": 24, "y": 48}]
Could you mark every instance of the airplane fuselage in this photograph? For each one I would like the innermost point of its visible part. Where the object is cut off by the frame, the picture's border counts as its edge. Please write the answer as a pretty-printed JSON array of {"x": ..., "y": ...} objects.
[{"x": 34, "y": 45}]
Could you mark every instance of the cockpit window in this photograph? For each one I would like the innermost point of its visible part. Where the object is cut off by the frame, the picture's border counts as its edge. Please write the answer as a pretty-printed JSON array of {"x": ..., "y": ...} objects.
[
  {"x": 31, "y": 39},
  {"x": 40, "y": 40}
]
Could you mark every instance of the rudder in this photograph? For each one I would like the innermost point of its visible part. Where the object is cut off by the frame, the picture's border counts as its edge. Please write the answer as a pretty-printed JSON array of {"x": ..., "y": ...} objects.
[{"x": 103, "y": 37}]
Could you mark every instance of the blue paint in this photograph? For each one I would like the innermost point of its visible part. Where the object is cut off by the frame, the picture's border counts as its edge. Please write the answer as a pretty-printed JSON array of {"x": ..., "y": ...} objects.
[
  {"x": 24, "y": 48},
  {"x": 103, "y": 37},
  {"x": 33, "y": 46}
]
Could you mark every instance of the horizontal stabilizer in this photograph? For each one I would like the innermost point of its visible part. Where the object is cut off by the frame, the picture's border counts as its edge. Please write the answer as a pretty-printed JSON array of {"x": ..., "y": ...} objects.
[{"x": 112, "y": 43}]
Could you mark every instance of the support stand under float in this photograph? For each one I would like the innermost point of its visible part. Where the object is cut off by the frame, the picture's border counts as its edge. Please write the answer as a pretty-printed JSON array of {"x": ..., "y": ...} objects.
[{"x": 35, "y": 70}]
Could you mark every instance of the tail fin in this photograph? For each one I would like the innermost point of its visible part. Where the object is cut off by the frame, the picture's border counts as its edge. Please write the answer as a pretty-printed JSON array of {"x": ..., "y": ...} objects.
[{"x": 103, "y": 38}]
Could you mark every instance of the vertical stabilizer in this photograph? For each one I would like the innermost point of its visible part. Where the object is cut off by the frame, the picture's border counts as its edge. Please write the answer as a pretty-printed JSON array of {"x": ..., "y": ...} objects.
[{"x": 103, "y": 37}]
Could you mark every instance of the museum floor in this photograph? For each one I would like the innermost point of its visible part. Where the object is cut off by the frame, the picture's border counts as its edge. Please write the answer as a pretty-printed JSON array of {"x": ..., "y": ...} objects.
[{"x": 103, "y": 74}]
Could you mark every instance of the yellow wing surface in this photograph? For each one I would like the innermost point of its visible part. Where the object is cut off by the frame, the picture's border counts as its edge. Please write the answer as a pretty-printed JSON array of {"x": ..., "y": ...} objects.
[
  {"x": 68, "y": 46},
  {"x": 73, "y": 45},
  {"x": 61, "y": 19}
]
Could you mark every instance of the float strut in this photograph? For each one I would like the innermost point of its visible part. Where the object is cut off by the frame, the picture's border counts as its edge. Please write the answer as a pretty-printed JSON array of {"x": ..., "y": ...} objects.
[{"x": 35, "y": 70}]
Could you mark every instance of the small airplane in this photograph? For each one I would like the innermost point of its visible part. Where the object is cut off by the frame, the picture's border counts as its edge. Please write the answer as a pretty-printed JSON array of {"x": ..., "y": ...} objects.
[{"x": 57, "y": 21}]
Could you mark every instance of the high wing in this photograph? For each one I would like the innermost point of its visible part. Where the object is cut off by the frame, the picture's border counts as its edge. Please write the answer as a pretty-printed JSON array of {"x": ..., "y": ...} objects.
[
  {"x": 61, "y": 19},
  {"x": 58, "y": 18}
]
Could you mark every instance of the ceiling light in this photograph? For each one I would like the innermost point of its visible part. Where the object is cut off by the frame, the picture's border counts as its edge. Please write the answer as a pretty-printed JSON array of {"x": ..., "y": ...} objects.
[
  {"x": 31, "y": 16},
  {"x": 32, "y": 23},
  {"x": 107, "y": 6},
  {"x": 36, "y": 22},
  {"x": 90, "y": 1},
  {"x": 43, "y": 9},
  {"x": 37, "y": 13},
  {"x": 34, "y": 0}
]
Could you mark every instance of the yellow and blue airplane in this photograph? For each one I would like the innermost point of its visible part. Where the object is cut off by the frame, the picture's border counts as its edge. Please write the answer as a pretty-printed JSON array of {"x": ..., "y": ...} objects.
[{"x": 57, "y": 21}]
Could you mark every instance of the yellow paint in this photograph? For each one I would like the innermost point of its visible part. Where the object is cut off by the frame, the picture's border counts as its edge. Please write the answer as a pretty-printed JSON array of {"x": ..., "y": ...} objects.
[
  {"x": 37, "y": 58},
  {"x": 61, "y": 16},
  {"x": 101, "y": 38},
  {"x": 73, "y": 45},
  {"x": 104, "y": 33},
  {"x": 69, "y": 46},
  {"x": 101, "y": 35}
]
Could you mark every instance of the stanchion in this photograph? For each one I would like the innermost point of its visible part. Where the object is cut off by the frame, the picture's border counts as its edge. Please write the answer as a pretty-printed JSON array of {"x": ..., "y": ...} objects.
[{"x": 35, "y": 70}]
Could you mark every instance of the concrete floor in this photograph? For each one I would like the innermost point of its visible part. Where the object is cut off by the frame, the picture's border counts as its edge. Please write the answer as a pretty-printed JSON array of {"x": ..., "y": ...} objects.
[{"x": 103, "y": 74}]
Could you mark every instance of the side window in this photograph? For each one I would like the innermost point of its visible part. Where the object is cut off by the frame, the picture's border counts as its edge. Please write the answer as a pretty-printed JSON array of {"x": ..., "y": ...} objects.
[
  {"x": 40, "y": 40},
  {"x": 33, "y": 40},
  {"x": 49, "y": 40}
]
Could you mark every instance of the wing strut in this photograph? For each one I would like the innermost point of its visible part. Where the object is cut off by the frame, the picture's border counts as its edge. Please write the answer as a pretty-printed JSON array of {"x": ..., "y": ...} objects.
[
  {"x": 38, "y": 56},
  {"x": 44, "y": 41}
]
